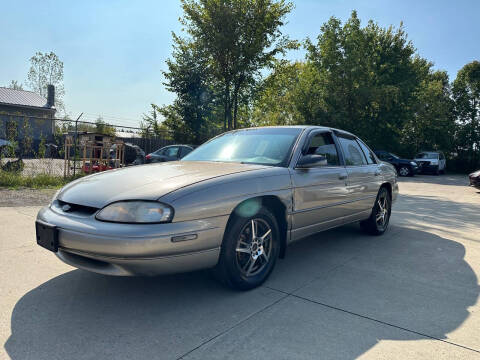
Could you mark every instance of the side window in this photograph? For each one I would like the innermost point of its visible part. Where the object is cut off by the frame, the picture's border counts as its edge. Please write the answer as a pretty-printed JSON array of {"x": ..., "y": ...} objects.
[
  {"x": 382, "y": 156},
  {"x": 352, "y": 152},
  {"x": 185, "y": 151},
  {"x": 368, "y": 153},
  {"x": 172, "y": 151},
  {"x": 323, "y": 144},
  {"x": 442, "y": 157}
]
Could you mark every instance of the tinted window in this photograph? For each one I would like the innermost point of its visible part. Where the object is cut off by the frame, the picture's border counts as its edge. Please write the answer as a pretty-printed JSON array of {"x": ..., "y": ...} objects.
[
  {"x": 265, "y": 146},
  {"x": 442, "y": 157},
  {"x": 426, "y": 155},
  {"x": 385, "y": 156},
  {"x": 171, "y": 151},
  {"x": 323, "y": 144},
  {"x": 368, "y": 153},
  {"x": 185, "y": 151},
  {"x": 353, "y": 153}
]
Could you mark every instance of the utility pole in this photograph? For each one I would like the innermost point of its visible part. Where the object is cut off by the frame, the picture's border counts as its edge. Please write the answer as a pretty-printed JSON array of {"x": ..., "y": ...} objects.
[{"x": 75, "y": 145}]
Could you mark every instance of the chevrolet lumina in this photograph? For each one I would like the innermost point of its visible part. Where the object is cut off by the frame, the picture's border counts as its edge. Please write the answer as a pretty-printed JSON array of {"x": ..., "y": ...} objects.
[{"x": 233, "y": 204}]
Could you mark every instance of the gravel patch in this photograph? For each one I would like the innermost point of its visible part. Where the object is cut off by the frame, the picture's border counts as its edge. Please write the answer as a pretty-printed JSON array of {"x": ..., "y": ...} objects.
[{"x": 25, "y": 197}]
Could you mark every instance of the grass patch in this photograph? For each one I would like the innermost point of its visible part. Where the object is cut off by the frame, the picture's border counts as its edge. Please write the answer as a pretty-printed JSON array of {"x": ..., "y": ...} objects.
[{"x": 13, "y": 180}]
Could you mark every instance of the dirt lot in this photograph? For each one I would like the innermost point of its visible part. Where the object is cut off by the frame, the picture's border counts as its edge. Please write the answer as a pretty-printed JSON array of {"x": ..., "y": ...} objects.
[{"x": 412, "y": 293}]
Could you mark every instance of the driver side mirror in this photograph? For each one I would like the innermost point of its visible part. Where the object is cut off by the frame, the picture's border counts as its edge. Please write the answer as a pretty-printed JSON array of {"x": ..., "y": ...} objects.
[{"x": 311, "y": 161}]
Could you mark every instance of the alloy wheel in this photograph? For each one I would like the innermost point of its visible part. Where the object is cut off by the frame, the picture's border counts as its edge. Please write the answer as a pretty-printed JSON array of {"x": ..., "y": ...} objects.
[
  {"x": 383, "y": 211},
  {"x": 254, "y": 247},
  {"x": 404, "y": 171}
]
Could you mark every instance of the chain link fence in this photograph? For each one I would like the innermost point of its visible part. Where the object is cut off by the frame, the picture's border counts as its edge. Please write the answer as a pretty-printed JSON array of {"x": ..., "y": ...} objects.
[{"x": 33, "y": 146}]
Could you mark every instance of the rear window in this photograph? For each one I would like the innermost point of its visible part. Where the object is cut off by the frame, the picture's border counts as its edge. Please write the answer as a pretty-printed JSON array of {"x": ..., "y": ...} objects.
[{"x": 427, "y": 155}]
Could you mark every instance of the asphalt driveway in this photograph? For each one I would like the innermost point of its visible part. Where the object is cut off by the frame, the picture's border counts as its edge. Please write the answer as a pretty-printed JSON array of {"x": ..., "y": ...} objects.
[{"x": 412, "y": 293}]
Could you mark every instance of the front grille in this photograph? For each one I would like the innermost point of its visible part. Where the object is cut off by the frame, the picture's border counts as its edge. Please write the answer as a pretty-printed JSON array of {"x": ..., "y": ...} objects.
[
  {"x": 75, "y": 209},
  {"x": 423, "y": 163}
]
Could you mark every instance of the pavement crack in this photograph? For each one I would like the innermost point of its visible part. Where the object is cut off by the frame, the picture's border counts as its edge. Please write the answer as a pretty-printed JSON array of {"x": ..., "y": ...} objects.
[
  {"x": 378, "y": 321},
  {"x": 233, "y": 326}
]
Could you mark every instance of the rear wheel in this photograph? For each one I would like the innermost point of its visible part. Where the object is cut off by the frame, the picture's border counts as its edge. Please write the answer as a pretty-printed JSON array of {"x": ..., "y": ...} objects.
[
  {"x": 249, "y": 251},
  {"x": 404, "y": 171},
  {"x": 379, "y": 219}
]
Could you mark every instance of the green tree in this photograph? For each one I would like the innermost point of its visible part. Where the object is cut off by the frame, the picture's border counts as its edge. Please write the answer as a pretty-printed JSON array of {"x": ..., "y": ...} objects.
[
  {"x": 47, "y": 69},
  {"x": 432, "y": 125},
  {"x": 103, "y": 128},
  {"x": 241, "y": 37},
  {"x": 151, "y": 125},
  {"x": 15, "y": 85},
  {"x": 466, "y": 93},
  {"x": 188, "y": 76}
]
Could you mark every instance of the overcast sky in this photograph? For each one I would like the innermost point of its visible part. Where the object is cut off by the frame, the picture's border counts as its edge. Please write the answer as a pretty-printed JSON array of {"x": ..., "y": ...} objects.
[{"x": 114, "y": 51}]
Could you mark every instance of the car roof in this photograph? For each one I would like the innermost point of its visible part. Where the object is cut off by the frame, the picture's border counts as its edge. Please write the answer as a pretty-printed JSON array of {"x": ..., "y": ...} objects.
[{"x": 304, "y": 127}]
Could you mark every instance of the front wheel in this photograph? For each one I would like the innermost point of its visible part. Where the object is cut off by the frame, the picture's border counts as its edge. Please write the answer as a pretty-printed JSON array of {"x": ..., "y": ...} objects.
[
  {"x": 379, "y": 219},
  {"x": 249, "y": 251}
]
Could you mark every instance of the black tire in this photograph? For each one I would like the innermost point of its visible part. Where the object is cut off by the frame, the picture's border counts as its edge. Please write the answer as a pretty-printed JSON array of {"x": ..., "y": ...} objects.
[
  {"x": 232, "y": 265},
  {"x": 436, "y": 171},
  {"x": 372, "y": 225},
  {"x": 404, "y": 171}
]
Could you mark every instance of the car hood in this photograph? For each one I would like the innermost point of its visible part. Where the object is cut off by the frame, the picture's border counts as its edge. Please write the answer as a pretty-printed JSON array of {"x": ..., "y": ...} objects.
[{"x": 145, "y": 182}]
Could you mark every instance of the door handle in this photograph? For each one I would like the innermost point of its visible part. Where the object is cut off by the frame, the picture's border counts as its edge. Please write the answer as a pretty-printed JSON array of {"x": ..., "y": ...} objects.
[{"x": 342, "y": 176}]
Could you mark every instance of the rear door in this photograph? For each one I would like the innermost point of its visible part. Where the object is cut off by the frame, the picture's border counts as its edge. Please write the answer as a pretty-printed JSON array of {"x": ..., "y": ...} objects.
[
  {"x": 363, "y": 175},
  {"x": 319, "y": 193}
]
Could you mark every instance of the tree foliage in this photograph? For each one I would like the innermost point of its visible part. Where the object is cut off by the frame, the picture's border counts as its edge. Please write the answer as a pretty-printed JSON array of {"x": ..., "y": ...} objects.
[
  {"x": 15, "y": 85},
  {"x": 466, "y": 93},
  {"x": 47, "y": 69},
  {"x": 366, "y": 79},
  {"x": 213, "y": 72}
]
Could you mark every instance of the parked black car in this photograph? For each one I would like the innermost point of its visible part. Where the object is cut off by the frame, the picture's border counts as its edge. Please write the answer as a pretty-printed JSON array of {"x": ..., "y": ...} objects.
[
  {"x": 405, "y": 167},
  {"x": 168, "y": 153},
  {"x": 475, "y": 179}
]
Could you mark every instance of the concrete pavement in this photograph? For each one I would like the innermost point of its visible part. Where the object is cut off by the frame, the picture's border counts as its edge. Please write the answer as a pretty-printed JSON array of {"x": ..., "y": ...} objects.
[{"x": 412, "y": 293}]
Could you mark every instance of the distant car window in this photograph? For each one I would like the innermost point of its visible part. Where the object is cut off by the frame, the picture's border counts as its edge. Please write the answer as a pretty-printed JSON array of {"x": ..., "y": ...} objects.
[
  {"x": 323, "y": 144},
  {"x": 368, "y": 153},
  {"x": 185, "y": 150},
  {"x": 172, "y": 151},
  {"x": 427, "y": 155},
  {"x": 382, "y": 155},
  {"x": 352, "y": 151}
]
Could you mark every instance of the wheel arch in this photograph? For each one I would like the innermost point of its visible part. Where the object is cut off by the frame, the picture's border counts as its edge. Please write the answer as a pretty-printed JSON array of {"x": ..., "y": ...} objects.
[
  {"x": 278, "y": 209},
  {"x": 388, "y": 186}
]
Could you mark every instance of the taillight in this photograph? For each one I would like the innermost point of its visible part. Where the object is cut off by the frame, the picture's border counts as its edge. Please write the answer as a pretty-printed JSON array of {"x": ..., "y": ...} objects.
[{"x": 148, "y": 157}]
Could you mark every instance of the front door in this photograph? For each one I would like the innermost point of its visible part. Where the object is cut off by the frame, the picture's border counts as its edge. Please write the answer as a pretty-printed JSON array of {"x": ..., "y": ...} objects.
[{"x": 319, "y": 193}]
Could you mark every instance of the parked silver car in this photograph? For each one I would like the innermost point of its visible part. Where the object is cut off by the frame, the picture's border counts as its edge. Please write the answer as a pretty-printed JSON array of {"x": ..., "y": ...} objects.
[{"x": 233, "y": 204}]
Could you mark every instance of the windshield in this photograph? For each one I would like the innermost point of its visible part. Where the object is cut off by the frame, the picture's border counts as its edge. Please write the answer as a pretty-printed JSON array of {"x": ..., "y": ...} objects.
[
  {"x": 264, "y": 146},
  {"x": 426, "y": 155}
]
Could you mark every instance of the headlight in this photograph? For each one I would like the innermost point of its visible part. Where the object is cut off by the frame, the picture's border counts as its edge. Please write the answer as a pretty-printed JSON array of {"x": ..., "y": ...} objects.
[
  {"x": 434, "y": 162},
  {"x": 144, "y": 212},
  {"x": 413, "y": 163}
]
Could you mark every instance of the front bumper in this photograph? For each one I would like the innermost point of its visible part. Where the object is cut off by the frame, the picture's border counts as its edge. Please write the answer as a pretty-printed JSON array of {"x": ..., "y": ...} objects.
[
  {"x": 427, "y": 167},
  {"x": 136, "y": 249}
]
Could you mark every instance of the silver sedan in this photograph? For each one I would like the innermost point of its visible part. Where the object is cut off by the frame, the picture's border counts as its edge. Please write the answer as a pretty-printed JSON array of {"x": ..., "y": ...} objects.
[{"x": 233, "y": 204}]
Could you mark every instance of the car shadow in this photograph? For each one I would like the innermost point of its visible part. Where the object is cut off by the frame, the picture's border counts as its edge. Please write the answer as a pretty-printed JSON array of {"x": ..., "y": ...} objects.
[{"x": 81, "y": 315}]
